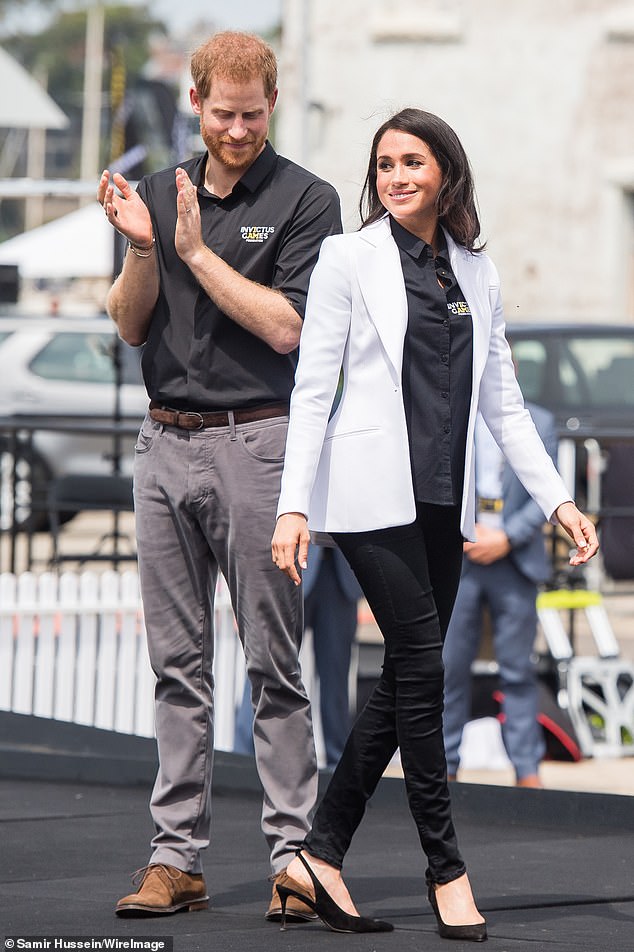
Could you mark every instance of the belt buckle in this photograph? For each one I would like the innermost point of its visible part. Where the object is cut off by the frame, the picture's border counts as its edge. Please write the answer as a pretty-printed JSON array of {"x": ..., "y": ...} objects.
[{"x": 194, "y": 413}]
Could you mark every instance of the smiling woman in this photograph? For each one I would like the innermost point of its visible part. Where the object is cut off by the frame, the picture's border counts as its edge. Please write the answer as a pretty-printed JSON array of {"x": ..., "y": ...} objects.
[
  {"x": 408, "y": 311},
  {"x": 408, "y": 182},
  {"x": 434, "y": 148}
]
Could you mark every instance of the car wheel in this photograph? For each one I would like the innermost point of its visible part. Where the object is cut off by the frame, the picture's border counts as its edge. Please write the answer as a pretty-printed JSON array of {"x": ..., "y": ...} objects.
[{"x": 32, "y": 477}]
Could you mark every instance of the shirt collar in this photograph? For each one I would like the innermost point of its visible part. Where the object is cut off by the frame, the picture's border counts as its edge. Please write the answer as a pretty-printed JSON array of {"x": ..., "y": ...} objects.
[
  {"x": 252, "y": 179},
  {"x": 416, "y": 247},
  {"x": 197, "y": 173},
  {"x": 259, "y": 169}
]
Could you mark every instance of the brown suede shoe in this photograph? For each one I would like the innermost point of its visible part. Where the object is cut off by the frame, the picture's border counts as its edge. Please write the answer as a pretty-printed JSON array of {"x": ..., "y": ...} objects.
[
  {"x": 531, "y": 780},
  {"x": 163, "y": 890},
  {"x": 296, "y": 910}
]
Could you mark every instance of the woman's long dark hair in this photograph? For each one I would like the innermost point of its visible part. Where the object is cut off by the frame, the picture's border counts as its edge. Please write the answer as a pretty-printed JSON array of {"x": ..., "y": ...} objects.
[{"x": 456, "y": 200}]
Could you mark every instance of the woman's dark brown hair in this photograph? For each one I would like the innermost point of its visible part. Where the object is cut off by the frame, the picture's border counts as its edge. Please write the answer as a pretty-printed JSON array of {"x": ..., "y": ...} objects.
[{"x": 456, "y": 200}]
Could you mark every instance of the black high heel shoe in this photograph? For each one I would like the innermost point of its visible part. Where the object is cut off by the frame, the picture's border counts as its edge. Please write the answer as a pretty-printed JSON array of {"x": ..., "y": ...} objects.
[
  {"x": 473, "y": 933},
  {"x": 327, "y": 909}
]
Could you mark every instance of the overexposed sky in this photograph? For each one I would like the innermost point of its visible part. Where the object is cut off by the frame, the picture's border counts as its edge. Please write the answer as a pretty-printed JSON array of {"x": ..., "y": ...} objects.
[
  {"x": 226, "y": 14},
  {"x": 180, "y": 15}
]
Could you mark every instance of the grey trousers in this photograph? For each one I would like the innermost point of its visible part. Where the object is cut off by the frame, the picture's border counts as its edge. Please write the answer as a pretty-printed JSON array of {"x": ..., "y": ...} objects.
[{"x": 205, "y": 501}]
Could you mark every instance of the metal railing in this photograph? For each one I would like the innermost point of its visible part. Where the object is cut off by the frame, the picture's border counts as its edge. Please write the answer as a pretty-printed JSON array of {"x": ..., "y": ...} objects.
[
  {"x": 16, "y": 439},
  {"x": 581, "y": 452}
]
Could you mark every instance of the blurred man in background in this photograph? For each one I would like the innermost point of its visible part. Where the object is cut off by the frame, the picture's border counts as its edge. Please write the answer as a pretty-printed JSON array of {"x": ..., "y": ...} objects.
[{"x": 501, "y": 571}]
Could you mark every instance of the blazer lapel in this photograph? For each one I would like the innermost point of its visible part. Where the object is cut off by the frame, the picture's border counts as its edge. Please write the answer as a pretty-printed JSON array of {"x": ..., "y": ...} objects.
[
  {"x": 383, "y": 289},
  {"x": 469, "y": 276}
]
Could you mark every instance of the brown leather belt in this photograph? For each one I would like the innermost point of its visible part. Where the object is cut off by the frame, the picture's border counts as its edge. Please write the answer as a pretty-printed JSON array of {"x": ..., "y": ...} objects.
[{"x": 191, "y": 420}]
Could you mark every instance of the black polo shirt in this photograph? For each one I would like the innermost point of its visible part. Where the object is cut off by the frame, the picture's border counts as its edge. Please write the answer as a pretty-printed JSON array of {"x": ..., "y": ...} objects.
[
  {"x": 437, "y": 363},
  {"x": 270, "y": 229}
]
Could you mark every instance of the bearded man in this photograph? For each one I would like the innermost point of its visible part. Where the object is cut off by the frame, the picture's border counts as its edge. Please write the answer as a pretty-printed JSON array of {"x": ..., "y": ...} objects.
[{"x": 214, "y": 284}]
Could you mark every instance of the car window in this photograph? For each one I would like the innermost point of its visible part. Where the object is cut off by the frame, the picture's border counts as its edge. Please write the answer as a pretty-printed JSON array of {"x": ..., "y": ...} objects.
[
  {"x": 608, "y": 367},
  {"x": 530, "y": 362},
  {"x": 573, "y": 377},
  {"x": 84, "y": 358},
  {"x": 130, "y": 363},
  {"x": 567, "y": 372},
  {"x": 76, "y": 357}
]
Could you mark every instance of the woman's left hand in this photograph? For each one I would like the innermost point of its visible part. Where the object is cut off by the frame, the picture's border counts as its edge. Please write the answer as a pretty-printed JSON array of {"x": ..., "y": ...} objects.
[
  {"x": 581, "y": 531},
  {"x": 291, "y": 535}
]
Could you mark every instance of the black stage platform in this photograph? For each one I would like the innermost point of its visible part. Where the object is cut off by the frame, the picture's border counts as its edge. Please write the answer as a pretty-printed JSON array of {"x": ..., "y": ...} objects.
[{"x": 552, "y": 871}]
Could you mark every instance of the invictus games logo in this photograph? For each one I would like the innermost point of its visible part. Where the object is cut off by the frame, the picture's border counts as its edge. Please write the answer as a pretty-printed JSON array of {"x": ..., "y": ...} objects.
[
  {"x": 458, "y": 309},
  {"x": 258, "y": 233}
]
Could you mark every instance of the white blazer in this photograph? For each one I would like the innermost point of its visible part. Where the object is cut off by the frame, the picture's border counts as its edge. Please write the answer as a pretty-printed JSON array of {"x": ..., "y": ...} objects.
[{"x": 347, "y": 467}]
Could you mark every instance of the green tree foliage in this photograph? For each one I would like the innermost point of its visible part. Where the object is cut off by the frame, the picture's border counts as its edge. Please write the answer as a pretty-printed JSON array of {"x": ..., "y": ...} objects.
[{"x": 58, "y": 51}]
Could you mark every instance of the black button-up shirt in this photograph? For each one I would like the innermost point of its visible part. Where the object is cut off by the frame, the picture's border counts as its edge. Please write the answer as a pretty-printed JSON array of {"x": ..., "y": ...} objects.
[
  {"x": 270, "y": 229},
  {"x": 437, "y": 362}
]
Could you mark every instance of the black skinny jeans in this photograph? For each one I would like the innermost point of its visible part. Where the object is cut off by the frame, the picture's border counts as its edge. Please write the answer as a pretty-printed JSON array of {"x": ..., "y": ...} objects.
[{"x": 409, "y": 575}]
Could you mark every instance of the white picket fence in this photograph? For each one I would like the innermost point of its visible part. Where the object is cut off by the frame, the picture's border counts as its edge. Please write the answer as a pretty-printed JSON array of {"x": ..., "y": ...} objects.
[{"x": 73, "y": 648}]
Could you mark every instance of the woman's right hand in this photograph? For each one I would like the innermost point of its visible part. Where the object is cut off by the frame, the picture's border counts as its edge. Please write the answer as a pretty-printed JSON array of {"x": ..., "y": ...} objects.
[
  {"x": 291, "y": 536},
  {"x": 581, "y": 531}
]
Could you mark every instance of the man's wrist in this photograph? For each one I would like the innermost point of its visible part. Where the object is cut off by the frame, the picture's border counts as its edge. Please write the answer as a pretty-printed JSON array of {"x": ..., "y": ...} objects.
[
  {"x": 199, "y": 258},
  {"x": 142, "y": 251}
]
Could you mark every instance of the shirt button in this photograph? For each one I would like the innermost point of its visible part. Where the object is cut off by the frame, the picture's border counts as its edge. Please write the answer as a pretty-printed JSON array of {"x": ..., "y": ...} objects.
[
  {"x": 445, "y": 322},
  {"x": 444, "y": 358},
  {"x": 447, "y": 429},
  {"x": 444, "y": 394}
]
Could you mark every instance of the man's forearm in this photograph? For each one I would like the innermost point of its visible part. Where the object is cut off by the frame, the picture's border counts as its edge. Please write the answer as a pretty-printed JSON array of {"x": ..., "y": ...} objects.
[
  {"x": 132, "y": 297},
  {"x": 260, "y": 310}
]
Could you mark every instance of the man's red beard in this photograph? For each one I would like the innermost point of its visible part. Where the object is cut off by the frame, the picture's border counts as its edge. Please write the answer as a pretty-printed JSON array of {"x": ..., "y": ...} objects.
[{"x": 232, "y": 159}]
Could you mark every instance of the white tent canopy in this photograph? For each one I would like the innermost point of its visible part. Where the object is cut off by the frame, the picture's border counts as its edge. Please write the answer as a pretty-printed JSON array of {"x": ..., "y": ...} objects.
[
  {"x": 78, "y": 245},
  {"x": 24, "y": 104}
]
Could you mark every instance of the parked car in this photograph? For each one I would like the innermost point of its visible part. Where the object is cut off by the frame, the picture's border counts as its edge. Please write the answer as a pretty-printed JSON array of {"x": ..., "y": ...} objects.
[
  {"x": 58, "y": 366},
  {"x": 584, "y": 374}
]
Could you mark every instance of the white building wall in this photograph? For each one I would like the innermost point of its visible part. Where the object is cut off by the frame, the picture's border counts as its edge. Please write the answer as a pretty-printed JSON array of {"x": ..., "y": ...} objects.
[{"x": 541, "y": 93}]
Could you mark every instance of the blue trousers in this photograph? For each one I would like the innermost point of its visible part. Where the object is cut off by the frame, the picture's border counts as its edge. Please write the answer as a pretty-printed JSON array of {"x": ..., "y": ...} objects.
[{"x": 510, "y": 597}]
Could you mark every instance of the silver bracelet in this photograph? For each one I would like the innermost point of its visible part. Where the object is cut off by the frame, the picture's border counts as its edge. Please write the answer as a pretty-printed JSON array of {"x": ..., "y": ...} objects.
[{"x": 140, "y": 251}]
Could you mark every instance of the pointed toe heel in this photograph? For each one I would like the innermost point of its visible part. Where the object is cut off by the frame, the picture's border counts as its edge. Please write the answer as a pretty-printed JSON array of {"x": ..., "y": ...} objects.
[
  {"x": 332, "y": 915},
  {"x": 476, "y": 932}
]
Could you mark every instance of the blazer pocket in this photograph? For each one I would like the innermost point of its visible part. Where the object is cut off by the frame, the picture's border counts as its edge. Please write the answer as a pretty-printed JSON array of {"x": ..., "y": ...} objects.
[{"x": 349, "y": 433}]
